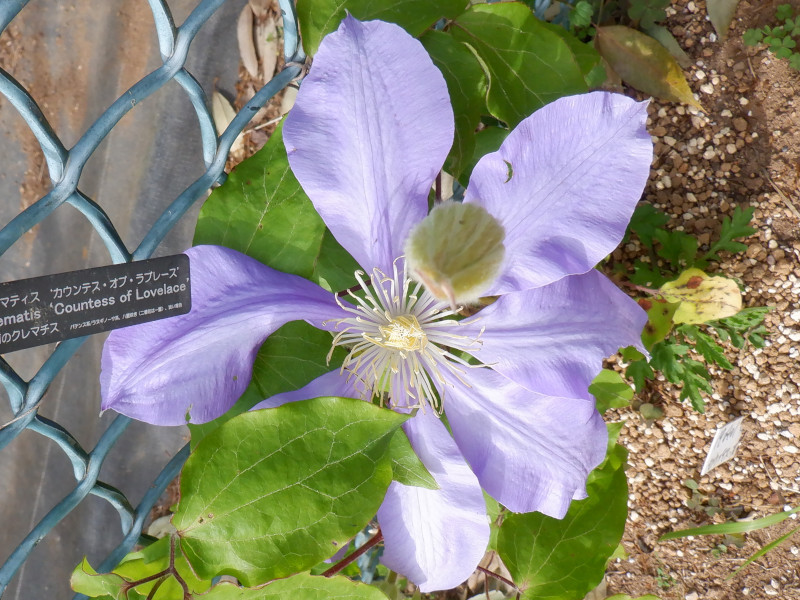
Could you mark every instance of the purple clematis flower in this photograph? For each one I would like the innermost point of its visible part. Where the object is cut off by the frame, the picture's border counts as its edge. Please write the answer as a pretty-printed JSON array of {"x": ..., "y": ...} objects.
[{"x": 370, "y": 130}]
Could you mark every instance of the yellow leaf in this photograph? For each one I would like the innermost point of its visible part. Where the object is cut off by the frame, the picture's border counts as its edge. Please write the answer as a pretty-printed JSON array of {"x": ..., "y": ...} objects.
[
  {"x": 644, "y": 63},
  {"x": 702, "y": 297}
]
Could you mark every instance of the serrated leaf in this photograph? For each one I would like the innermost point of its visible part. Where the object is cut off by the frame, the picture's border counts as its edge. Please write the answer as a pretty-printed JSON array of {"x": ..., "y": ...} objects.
[
  {"x": 300, "y": 587},
  {"x": 262, "y": 211},
  {"x": 639, "y": 372},
  {"x": 551, "y": 558},
  {"x": 646, "y": 219},
  {"x": 707, "y": 347},
  {"x": 529, "y": 65},
  {"x": 676, "y": 247},
  {"x": 702, "y": 297},
  {"x": 467, "y": 85},
  {"x": 318, "y": 18},
  {"x": 85, "y": 580},
  {"x": 721, "y": 14},
  {"x": 326, "y": 458},
  {"x": 643, "y": 63},
  {"x": 646, "y": 274},
  {"x": 407, "y": 468},
  {"x": 660, "y": 315},
  {"x": 736, "y": 227},
  {"x": 610, "y": 390},
  {"x": 752, "y": 37},
  {"x": 745, "y": 319},
  {"x": 783, "y": 12}
]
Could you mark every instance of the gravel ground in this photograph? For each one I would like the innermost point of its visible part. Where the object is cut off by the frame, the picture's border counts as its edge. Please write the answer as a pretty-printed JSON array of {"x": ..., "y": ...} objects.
[{"x": 742, "y": 151}]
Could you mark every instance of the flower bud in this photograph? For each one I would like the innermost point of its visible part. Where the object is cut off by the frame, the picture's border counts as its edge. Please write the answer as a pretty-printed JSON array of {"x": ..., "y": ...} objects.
[{"x": 456, "y": 252}]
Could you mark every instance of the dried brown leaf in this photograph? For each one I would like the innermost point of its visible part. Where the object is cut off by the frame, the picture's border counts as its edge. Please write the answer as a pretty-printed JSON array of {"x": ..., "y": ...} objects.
[
  {"x": 244, "y": 33},
  {"x": 267, "y": 47}
]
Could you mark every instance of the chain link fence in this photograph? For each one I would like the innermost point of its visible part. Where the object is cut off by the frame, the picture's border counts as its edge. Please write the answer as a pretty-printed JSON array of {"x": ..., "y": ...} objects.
[{"x": 65, "y": 166}]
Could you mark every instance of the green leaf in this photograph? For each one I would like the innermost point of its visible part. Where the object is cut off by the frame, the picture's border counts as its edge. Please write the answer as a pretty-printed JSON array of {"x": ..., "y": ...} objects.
[
  {"x": 318, "y": 18},
  {"x": 660, "y": 315},
  {"x": 639, "y": 371},
  {"x": 610, "y": 390},
  {"x": 273, "y": 492},
  {"x": 407, "y": 468},
  {"x": 763, "y": 550},
  {"x": 291, "y": 357},
  {"x": 487, "y": 140},
  {"x": 581, "y": 15},
  {"x": 672, "y": 360},
  {"x": 644, "y": 64},
  {"x": 731, "y": 527},
  {"x": 721, "y": 14},
  {"x": 752, "y": 37},
  {"x": 261, "y": 211},
  {"x": 783, "y": 12},
  {"x": 299, "y": 587},
  {"x": 85, "y": 580},
  {"x": 588, "y": 59},
  {"x": 676, "y": 247},
  {"x": 529, "y": 65},
  {"x": 646, "y": 274},
  {"x": 495, "y": 512},
  {"x": 335, "y": 268},
  {"x": 736, "y": 227},
  {"x": 467, "y": 86},
  {"x": 706, "y": 346},
  {"x": 646, "y": 13},
  {"x": 551, "y": 558},
  {"x": 645, "y": 221}
]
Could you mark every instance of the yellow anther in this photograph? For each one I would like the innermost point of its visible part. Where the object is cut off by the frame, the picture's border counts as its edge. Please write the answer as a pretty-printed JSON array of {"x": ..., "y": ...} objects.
[{"x": 404, "y": 333}]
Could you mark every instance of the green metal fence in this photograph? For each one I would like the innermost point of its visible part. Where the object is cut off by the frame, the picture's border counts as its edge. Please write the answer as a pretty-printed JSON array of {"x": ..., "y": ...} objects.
[{"x": 65, "y": 167}]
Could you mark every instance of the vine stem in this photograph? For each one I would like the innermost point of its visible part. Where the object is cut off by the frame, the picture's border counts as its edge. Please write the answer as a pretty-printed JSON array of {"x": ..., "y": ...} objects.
[
  {"x": 641, "y": 288},
  {"x": 373, "y": 541},
  {"x": 508, "y": 582}
]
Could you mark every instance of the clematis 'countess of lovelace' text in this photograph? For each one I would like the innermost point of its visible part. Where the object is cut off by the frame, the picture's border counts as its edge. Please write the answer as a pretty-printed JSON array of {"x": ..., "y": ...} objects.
[{"x": 370, "y": 130}]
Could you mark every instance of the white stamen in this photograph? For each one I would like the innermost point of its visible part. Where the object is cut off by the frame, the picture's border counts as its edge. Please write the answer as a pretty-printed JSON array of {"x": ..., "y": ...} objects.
[{"x": 399, "y": 341}]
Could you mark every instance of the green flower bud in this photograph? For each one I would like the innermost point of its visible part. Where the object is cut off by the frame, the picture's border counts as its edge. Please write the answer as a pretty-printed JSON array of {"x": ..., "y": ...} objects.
[{"x": 456, "y": 252}]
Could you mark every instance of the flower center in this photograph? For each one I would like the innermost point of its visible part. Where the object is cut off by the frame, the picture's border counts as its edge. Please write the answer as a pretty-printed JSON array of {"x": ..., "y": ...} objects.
[
  {"x": 403, "y": 333},
  {"x": 400, "y": 340}
]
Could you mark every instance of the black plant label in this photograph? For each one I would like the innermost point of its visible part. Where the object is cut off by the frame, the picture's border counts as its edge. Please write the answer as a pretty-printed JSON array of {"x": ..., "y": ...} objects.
[{"x": 48, "y": 309}]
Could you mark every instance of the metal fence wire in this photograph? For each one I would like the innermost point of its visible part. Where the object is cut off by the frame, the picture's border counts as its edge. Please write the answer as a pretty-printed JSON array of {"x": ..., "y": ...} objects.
[{"x": 65, "y": 167}]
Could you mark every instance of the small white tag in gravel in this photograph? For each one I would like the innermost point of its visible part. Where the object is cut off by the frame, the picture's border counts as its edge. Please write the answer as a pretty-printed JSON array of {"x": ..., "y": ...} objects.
[{"x": 724, "y": 445}]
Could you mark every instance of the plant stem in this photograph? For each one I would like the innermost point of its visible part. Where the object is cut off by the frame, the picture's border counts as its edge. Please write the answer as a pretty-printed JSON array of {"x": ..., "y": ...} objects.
[
  {"x": 374, "y": 540},
  {"x": 499, "y": 578}
]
